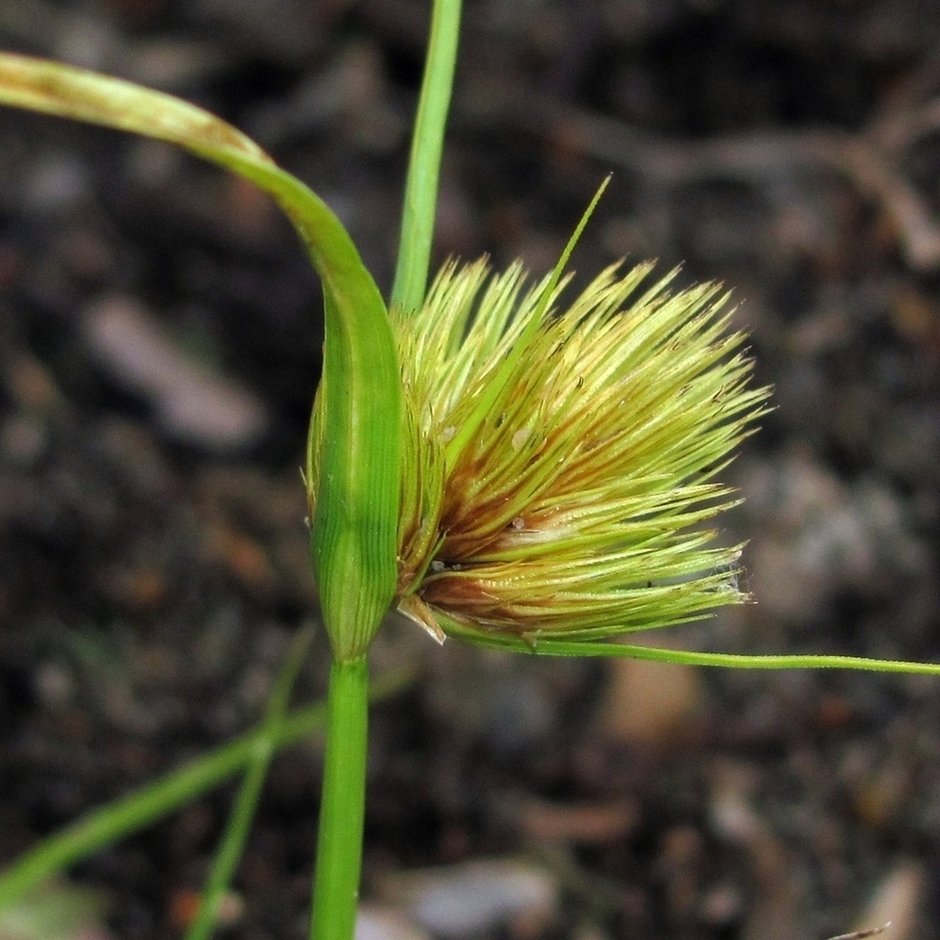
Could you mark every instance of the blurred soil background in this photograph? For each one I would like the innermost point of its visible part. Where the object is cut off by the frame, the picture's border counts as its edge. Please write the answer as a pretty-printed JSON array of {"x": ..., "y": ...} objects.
[{"x": 159, "y": 347}]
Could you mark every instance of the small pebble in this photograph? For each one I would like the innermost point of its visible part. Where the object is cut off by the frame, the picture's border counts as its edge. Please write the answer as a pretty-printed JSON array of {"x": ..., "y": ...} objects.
[
  {"x": 191, "y": 403},
  {"x": 55, "y": 685},
  {"x": 382, "y": 923},
  {"x": 897, "y": 901},
  {"x": 474, "y": 896},
  {"x": 653, "y": 705}
]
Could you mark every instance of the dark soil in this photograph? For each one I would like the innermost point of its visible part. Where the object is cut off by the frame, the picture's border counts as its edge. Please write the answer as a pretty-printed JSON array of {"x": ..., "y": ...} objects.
[{"x": 152, "y": 544}]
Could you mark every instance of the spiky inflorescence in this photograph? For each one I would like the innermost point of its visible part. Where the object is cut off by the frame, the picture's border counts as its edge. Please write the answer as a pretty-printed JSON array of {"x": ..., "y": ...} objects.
[{"x": 559, "y": 466}]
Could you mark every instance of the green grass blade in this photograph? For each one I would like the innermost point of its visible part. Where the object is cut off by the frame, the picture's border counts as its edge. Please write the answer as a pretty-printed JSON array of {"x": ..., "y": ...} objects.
[
  {"x": 232, "y": 846},
  {"x": 358, "y": 488},
  {"x": 421, "y": 186},
  {"x": 151, "y": 803}
]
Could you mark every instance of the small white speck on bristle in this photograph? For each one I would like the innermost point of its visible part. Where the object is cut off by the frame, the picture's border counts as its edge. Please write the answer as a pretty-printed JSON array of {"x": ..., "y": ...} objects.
[{"x": 520, "y": 437}]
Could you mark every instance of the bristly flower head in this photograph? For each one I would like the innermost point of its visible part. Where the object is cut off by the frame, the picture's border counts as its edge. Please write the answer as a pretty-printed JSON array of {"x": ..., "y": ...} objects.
[{"x": 561, "y": 464}]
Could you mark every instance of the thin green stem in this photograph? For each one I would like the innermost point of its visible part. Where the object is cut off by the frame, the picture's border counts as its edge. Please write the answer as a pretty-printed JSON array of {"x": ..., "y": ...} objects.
[
  {"x": 104, "y": 826},
  {"x": 420, "y": 208},
  {"x": 342, "y": 808},
  {"x": 746, "y": 661},
  {"x": 232, "y": 845},
  {"x": 550, "y": 646}
]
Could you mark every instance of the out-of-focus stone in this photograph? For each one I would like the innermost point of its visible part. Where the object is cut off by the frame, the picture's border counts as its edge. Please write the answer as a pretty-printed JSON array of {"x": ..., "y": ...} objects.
[
  {"x": 474, "y": 896},
  {"x": 190, "y": 402},
  {"x": 651, "y": 704},
  {"x": 385, "y": 923}
]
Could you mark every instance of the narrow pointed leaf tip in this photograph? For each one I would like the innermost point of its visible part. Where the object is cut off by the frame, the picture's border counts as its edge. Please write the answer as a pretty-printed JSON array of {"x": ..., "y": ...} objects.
[{"x": 578, "y": 508}]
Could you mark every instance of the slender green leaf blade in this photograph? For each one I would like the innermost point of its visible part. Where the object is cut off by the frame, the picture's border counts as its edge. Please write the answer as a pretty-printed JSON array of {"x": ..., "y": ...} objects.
[
  {"x": 355, "y": 494},
  {"x": 420, "y": 205}
]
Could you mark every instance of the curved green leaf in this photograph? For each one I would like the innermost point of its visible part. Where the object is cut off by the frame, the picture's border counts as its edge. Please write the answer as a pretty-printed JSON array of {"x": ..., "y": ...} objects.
[{"x": 355, "y": 493}]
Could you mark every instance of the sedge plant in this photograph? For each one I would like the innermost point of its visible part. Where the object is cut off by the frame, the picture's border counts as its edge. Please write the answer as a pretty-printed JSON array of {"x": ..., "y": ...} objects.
[{"x": 501, "y": 465}]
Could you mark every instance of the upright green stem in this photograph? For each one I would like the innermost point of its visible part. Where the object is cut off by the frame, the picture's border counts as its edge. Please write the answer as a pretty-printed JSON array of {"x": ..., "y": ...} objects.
[
  {"x": 417, "y": 225},
  {"x": 342, "y": 808}
]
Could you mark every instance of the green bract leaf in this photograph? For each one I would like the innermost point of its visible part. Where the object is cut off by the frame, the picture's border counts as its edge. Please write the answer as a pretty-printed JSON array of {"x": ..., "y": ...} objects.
[{"x": 354, "y": 483}]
